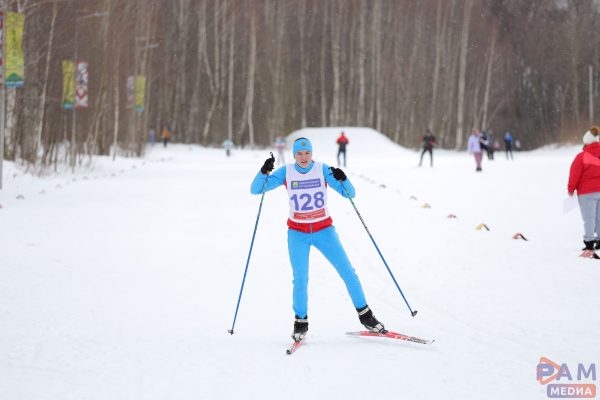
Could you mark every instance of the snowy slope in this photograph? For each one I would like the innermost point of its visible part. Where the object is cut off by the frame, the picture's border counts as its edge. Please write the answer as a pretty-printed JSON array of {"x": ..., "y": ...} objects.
[{"x": 123, "y": 285}]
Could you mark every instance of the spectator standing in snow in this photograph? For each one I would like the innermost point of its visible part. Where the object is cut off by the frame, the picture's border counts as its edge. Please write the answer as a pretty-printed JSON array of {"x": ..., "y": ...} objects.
[
  {"x": 309, "y": 225},
  {"x": 584, "y": 177},
  {"x": 280, "y": 146},
  {"x": 428, "y": 142},
  {"x": 228, "y": 145},
  {"x": 165, "y": 135},
  {"x": 486, "y": 145},
  {"x": 342, "y": 142},
  {"x": 508, "y": 142},
  {"x": 483, "y": 142},
  {"x": 474, "y": 147}
]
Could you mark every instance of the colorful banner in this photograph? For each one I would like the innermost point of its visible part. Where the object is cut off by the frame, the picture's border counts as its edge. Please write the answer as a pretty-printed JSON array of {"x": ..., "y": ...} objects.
[
  {"x": 15, "y": 66},
  {"x": 140, "y": 85},
  {"x": 68, "y": 70},
  {"x": 81, "y": 85},
  {"x": 1, "y": 46},
  {"x": 130, "y": 92}
]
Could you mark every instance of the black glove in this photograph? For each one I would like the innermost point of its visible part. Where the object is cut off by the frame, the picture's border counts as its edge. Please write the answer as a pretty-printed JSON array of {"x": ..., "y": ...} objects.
[
  {"x": 268, "y": 165},
  {"x": 338, "y": 174}
]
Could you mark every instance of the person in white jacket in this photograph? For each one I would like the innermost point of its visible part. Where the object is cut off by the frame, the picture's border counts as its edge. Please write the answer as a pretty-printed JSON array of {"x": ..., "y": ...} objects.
[{"x": 474, "y": 147}]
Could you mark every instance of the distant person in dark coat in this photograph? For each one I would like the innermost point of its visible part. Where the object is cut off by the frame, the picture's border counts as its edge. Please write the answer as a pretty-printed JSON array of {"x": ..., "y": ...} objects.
[
  {"x": 487, "y": 145},
  {"x": 428, "y": 143},
  {"x": 508, "y": 142}
]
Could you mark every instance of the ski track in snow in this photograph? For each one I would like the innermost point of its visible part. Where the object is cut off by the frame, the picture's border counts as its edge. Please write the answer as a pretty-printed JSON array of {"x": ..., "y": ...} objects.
[{"x": 121, "y": 281}]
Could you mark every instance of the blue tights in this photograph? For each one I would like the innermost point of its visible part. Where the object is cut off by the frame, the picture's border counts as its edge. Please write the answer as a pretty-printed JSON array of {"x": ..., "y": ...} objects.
[{"x": 328, "y": 243}]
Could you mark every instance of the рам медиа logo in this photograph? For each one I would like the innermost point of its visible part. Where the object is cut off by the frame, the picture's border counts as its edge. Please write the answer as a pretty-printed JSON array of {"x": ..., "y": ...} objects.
[{"x": 550, "y": 371}]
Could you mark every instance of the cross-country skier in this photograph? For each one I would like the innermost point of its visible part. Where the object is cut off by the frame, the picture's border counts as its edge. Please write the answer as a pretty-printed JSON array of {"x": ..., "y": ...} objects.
[{"x": 309, "y": 224}]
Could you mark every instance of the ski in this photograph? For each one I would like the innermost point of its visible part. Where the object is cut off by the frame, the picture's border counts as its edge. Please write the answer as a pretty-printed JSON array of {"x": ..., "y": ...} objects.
[
  {"x": 391, "y": 335},
  {"x": 295, "y": 346}
]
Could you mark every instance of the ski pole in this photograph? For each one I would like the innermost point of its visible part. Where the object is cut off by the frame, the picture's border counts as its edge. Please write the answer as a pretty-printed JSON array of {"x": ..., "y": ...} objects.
[
  {"x": 249, "y": 253},
  {"x": 413, "y": 313}
]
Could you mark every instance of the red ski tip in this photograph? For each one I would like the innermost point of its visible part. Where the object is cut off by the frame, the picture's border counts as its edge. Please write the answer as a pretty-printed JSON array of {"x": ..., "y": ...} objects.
[
  {"x": 292, "y": 349},
  {"x": 589, "y": 254},
  {"x": 519, "y": 235}
]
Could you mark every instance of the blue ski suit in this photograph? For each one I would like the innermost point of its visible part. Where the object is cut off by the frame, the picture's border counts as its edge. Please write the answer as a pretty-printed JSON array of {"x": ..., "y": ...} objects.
[{"x": 320, "y": 234}]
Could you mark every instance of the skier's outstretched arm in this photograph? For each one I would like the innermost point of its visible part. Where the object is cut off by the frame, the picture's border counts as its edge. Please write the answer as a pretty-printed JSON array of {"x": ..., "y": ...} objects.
[
  {"x": 275, "y": 180},
  {"x": 338, "y": 181}
]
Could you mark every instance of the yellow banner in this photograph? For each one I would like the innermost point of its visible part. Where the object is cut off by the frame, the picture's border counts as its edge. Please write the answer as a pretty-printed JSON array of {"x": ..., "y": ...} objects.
[
  {"x": 15, "y": 66},
  {"x": 68, "y": 69},
  {"x": 140, "y": 85}
]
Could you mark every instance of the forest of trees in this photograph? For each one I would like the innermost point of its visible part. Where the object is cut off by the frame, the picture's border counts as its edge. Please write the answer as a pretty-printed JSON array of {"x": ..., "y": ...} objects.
[{"x": 252, "y": 70}]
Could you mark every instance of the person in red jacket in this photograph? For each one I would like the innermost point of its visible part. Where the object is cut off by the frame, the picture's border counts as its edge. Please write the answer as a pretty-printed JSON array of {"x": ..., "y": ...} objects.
[
  {"x": 342, "y": 142},
  {"x": 584, "y": 177}
]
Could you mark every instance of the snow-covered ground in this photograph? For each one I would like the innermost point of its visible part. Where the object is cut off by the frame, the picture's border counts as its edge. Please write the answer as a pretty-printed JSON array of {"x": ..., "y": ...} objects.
[{"x": 120, "y": 282}]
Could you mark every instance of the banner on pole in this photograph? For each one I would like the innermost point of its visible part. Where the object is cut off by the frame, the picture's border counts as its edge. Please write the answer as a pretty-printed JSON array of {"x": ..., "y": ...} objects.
[
  {"x": 81, "y": 85},
  {"x": 15, "y": 65},
  {"x": 1, "y": 46},
  {"x": 68, "y": 70},
  {"x": 140, "y": 85},
  {"x": 130, "y": 92}
]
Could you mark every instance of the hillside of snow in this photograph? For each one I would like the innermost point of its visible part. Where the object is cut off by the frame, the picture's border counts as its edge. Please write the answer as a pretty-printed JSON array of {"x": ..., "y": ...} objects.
[{"x": 120, "y": 282}]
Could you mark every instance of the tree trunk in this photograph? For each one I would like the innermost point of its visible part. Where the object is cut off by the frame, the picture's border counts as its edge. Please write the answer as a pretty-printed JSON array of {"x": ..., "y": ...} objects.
[
  {"x": 39, "y": 121},
  {"x": 488, "y": 82},
  {"x": 303, "y": 62},
  {"x": 464, "y": 48}
]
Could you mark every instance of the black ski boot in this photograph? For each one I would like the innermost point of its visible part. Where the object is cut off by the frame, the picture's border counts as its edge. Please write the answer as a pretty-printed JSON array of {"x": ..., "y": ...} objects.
[
  {"x": 369, "y": 321},
  {"x": 597, "y": 245},
  {"x": 300, "y": 328},
  {"x": 589, "y": 244}
]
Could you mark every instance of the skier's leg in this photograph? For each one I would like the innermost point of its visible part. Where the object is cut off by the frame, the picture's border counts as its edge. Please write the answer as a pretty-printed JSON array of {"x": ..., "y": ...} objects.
[
  {"x": 597, "y": 221},
  {"x": 328, "y": 243},
  {"x": 299, "y": 250},
  {"x": 587, "y": 206},
  {"x": 478, "y": 160},
  {"x": 431, "y": 157},
  {"x": 421, "y": 159}
]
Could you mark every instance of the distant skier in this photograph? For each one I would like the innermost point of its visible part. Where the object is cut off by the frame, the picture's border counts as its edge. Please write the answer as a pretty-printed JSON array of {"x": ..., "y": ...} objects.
[
  {"x": 309, "y": 225},
  {"x": 508, "y": 142},
  {"x": 228, "y": 145},
  {"x": 474, "y": 147},
  {"x": 584, "y": 177},
  {"x": 342, "y": 142},
  {"x": 428, "y": 142},
  {"x": 165, "y": 135},
  {"x": 280, "y": 146}
]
